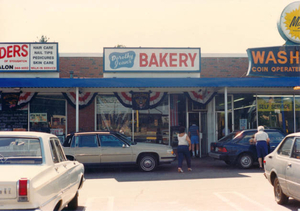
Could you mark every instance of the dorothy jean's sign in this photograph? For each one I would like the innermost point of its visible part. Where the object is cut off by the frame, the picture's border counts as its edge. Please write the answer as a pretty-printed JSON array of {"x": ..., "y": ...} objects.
[
  {"x": 152, "y": 59},
  {"x": 281, "y": 61},
  {"x": 28, "y": 57}
]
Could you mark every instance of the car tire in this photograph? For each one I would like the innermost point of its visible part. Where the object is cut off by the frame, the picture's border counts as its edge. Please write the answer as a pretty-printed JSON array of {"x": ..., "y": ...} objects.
[
  {"x": 245, "y": 161},
  {"x": 280, "y": 197},
  {"x": 73, "y": 204},
  {"x": 147, "y": 162}
]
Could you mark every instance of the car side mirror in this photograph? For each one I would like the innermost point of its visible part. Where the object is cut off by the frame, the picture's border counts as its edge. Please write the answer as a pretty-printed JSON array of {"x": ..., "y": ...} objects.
[{"x": 70, "y": 157}]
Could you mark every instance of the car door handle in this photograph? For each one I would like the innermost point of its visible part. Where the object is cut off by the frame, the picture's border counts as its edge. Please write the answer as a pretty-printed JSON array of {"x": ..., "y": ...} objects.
[
  {"x": 270, "y": 156},
  {"x": 289, "y": 165}
]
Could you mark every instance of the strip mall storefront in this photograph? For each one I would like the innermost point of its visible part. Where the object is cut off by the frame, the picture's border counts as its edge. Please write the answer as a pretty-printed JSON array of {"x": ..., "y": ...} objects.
[{"x": 147, "y": 93}]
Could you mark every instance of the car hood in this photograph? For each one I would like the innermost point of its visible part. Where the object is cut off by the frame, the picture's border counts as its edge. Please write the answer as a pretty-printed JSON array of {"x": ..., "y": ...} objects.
[{"x": 16, "y": 172}]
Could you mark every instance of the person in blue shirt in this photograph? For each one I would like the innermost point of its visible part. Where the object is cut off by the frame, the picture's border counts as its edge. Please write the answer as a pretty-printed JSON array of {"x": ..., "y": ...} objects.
[{"x": 194, "y": 134}]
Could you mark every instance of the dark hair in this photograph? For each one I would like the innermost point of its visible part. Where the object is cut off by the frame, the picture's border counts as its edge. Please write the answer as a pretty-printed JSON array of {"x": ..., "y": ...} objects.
[{"x": 181, "y": 129}]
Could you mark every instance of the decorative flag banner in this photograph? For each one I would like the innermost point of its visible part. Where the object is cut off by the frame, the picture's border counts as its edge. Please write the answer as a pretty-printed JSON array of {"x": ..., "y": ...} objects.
[
  {"x": 140, "y": 100},
  {"x": 10, "y": 101},
  {"x": 85, "y": 98},
  {"x": 203, "y": 96},
  {"x": 25, "y": 98}
]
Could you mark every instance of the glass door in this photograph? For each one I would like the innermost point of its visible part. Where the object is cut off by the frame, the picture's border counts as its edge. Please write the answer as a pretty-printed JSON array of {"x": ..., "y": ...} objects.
[
  {"x": 220, "y": 124},
  {"x": 199, "y": 119}
]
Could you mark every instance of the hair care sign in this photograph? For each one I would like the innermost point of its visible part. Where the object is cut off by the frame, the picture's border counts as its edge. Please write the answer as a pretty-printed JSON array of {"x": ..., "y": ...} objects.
[
  {"x": 152, "y": 59},
  {"x": 28, "y": 57},
  {"x": 289, "y": 22}
]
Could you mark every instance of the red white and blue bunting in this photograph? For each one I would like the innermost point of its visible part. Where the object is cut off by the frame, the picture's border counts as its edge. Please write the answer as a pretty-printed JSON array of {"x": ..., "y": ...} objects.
[
  {"x": 203, "y": 96},
  {"x": 85, "y": 98},
  {"x": 25, "y": 98},
  {"x": 127, "y": 99}
]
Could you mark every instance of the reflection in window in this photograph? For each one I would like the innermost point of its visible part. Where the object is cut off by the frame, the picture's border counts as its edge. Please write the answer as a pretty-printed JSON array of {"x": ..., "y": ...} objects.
[
  {"x": 87, "y": 141},
  {"x": 296, "y": 149},
  {"x": 110, "y": 141},
  {"x": 286, "y": 147},
  {"x": 112, "y": 115}
]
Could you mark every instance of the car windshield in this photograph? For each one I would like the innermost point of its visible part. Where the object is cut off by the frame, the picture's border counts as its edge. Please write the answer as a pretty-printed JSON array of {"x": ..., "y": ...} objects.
[
  {"x": 20, "y": 151},
  {"x": 229, "y": 137},
  {"x": 125, "y": 138}
]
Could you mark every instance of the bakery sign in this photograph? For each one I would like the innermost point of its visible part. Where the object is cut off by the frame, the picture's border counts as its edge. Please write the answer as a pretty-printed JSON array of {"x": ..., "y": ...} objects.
[
  {"x": 151, "y": 60},
  {"x": 28, "y": 57}
]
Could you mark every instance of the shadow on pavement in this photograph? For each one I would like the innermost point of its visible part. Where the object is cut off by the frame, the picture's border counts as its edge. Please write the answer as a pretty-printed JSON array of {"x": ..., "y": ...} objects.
[{"x": 203, "y": 168}]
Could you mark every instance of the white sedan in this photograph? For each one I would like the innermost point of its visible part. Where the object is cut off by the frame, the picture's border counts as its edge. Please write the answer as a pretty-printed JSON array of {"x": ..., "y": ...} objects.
[
  {"x": 35, "y": 174},
  {"x": 282, "y": 169}
]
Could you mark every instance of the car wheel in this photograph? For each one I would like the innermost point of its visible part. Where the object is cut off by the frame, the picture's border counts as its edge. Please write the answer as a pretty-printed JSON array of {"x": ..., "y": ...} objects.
[
  {"x": 245, "y": 161},
  {"x": 73, "y": 204},
  {"x": 147, "y": 162},
  {"x": 280, "y": 197}
]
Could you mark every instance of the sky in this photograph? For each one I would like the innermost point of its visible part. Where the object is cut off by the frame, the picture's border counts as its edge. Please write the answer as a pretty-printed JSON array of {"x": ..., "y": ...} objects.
[{"x": 87, "y": 26}]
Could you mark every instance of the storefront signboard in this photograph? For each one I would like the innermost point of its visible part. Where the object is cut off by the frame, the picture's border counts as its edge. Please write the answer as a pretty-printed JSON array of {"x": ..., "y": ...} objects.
[
  {"x": 38, "y": 117},
  {"x": 152, "y": 60},
  {"x": 280, "y": 61},
  {"x": 270, "y": 104},
  {"x": 29, "y": 57},
  {"x": 289, "y": 23}
]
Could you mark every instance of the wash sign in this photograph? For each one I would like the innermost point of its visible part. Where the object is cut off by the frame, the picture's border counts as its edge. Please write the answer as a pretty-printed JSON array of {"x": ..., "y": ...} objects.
[
  {"x": 152, "y": 60},
  {"x": 280, "y": 61},
  {"x": 28, "y": 57}
]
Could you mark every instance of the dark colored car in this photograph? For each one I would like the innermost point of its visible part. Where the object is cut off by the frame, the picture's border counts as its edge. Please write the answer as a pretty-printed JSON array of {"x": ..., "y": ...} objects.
[{"x": 239, "y": 150}]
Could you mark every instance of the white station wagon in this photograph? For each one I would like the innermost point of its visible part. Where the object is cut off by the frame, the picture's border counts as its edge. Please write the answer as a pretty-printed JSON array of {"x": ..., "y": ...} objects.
[
  {"x": 282, "y": 169},
  {"x": 35, "y": 174}
]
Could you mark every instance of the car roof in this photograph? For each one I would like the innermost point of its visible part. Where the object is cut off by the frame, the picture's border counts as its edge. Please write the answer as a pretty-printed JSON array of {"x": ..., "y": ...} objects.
[
  {"x": 94, "y": 132},
  {"x": 26, "y": 134},
  {"x": 293, "y": 134}
]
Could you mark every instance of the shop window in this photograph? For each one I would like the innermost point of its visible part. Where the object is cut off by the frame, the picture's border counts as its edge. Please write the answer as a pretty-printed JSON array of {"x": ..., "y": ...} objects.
[
  {"x": 276, "y": 112},
  {"x": 113, "y": 116},
  {"x": 48, "y": 114}
]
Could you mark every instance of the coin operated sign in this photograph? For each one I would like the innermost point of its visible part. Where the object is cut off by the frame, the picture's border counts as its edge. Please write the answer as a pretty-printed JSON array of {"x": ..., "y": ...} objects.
[{"x": 280, "y": 61}]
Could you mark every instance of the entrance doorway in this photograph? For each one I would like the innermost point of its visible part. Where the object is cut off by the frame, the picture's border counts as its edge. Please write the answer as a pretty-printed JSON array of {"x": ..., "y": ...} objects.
[
  {"x": 200, "y": 119},
  {"x": 220, "y": 124}
]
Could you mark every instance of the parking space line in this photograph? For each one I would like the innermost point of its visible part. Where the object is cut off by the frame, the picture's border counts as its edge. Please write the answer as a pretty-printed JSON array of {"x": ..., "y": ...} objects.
[
  {"x": 91, "y": 201},
  {"x": 227, "y": 201},
  {"x": 235, "y": 206}
]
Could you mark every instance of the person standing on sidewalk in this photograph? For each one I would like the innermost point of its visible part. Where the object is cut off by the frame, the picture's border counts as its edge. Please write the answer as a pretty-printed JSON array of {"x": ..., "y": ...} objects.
[
  {"x": 194, "y": 134},
  {"x": 183, "y": 149}
]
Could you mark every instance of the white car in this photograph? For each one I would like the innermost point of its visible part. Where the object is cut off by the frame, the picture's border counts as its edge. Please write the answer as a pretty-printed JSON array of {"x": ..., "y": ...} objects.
[
  {"x": 96, "y": 149},
  {"x": 282, "y": 169},
  {"x": 35, "y": 174}
]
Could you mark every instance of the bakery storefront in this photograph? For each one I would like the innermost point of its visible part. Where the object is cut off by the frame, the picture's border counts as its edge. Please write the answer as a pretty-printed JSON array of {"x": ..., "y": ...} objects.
[{"x": 147, "y": 93}]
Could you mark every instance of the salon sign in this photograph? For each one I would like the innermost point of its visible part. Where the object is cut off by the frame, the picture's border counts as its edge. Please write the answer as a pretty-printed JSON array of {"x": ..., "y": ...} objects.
[
  {"x": 151, "y": 60},
  {"x": 28, "y": 57}
]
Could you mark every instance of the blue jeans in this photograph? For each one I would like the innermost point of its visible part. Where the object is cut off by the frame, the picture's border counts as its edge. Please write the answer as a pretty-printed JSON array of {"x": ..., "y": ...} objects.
[{"x": 183, "y": 152}]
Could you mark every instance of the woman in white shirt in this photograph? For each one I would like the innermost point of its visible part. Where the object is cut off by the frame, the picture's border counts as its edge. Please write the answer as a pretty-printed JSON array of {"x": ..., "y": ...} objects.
[
  {"x": 183, "y": 149},
  {"x": 261, "y": 139}
]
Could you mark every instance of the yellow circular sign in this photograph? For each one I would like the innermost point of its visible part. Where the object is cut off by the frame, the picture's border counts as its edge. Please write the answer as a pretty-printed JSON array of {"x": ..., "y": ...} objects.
[{"x": 289, "y": 22}]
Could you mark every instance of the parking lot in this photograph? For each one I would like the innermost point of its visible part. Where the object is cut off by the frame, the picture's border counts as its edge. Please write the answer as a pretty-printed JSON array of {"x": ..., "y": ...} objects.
[{"x": 212, "y": 185}]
